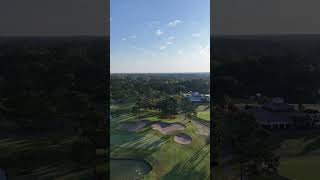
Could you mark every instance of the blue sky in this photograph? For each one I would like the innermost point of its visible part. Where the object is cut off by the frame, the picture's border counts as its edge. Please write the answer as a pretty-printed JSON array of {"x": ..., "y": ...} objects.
[{"x": 159, "y": 36}]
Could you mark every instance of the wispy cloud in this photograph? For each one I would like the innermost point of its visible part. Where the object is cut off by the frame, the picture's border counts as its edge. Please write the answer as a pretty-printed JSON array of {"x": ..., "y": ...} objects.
[
  {"x": 124, "y": 39},
  {"x": 159, "y": 32},
  {"x": 143, "y": 51},
  {"x": 163, "y": 47},
  {"x": 180, "y": 52},
  {"x": 170, "y": 38},
  {"x": 133, "y": 36},
  {"x": 174, "y": 23},
  {"x": 195, "y": 35},
  {"x": 169, "y": 43}
]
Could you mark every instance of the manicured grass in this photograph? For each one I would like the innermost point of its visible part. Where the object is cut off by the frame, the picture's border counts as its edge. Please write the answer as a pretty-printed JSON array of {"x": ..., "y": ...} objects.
[
  {"x": 205, "y": 115},
  {"x": 203, "y": 112},
  {"x": 176, "y": 161},
  {"x": 301, "y": 168},
  {"x": 300, "y": 157},
  {"x": 169, "y": 159},
  {"x": 299, "y": 144},
  {"x": 41, "y": 158},
  {"x": 178, "y": 118},
  {"x": 202, "y": 108}
]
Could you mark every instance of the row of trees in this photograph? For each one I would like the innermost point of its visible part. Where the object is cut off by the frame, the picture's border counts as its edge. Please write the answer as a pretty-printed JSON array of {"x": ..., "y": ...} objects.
[
  {"x": 168, "y": 106},
  {"x": 124, "y": 86},
  {"x": 289, "y": 76}
]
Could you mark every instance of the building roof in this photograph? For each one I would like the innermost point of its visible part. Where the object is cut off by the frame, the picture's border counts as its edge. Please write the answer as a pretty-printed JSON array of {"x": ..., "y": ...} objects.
[
  {"x": 266, "y": 117},
  {"x": 278, "y": 106}
]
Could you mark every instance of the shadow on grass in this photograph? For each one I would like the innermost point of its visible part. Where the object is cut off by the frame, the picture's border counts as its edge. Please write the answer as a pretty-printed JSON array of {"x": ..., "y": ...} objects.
[
  {"x": 180, "y": 172},
  {"x": 189, "y": 169},
  {"x": 315, "y": 145},
  {"x": 139, "y": 147},
  {"x": 29, "y": 158}
]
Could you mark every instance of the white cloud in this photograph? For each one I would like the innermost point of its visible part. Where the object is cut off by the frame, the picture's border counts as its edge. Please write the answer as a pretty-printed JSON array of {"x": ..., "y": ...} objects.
[
  {"x": 124, "y": 39},
  {"x": 174, "y": 23},
  {"x": 169, "y": 42},
  {"x": 133, "y": 36},
  {"x": 180, "y": 51},
  {"x": 163, "y": 47},
  {"x": 159, "y": 32},
  {"x": 139, "y": 49},
  {"x": 195, "y": 35},
  {"x": 170, "y": 38}
]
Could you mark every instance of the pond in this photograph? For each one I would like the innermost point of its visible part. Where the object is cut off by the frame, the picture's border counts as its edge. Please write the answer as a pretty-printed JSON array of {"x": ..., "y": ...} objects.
[{"x": 128, "y": 169}]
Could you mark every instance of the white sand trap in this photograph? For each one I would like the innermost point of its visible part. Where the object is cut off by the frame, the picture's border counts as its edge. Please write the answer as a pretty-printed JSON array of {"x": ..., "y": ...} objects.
[
  {"x": 134, "y": 126},
  {"x": 167, "y": 128},
  {"x": 182, "y": 138}
]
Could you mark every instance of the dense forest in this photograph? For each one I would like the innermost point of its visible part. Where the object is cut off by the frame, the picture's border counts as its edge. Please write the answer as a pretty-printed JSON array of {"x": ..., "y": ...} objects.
[
  {"x": 158, "y": 91},
  {"x": 284, "y": 66},
  {"x": 126, "y": 85},
  {"x": 49, "y": 79},
  {"x": 53, "y": 88}
]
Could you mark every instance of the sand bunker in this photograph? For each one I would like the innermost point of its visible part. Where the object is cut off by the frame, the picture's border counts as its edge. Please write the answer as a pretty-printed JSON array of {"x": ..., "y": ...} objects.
[
  {"x": 134, "y": 126},
  {"x": 167, "y": 128},
  {"x": 182, "y": 138}
]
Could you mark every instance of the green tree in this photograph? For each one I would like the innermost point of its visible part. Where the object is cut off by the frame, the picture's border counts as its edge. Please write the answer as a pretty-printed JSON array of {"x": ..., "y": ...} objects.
[
  {"x": 168, "y": 107},
  {"x": 187, "y": 107},
  {"x": 136, "y": 110},
  {"x": 251, "y": 146}
]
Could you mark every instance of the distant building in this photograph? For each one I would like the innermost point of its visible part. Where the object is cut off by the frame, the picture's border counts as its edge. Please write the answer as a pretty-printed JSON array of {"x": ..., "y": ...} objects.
[
  {"x": 278, "y": 105},
  {"x": 278, "y": 114},
  {"x": 207, "y": 97},
  {"x": 270, "y": 119},
  {"x": 196, "y": 97}
]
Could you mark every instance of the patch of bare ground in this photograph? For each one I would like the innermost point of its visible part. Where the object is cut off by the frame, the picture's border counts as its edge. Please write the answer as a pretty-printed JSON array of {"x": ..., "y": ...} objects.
[{"x": 167, "y": 128}]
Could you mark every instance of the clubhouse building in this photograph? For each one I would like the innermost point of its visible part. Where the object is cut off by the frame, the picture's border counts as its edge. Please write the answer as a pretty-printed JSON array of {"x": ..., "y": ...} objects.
[
  {"x": 279, "y": 115},
  {"x": 196, "y": 97}
]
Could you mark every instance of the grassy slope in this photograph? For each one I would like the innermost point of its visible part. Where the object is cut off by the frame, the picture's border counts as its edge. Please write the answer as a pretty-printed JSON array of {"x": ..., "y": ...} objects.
[
  {"x": 169, "y": 159},
  {"x": 301, "y": 168},
  {"x": 203, "y": 112},
  {"x": 300, "y": 157},
  {"x": 205, "y": 115}
]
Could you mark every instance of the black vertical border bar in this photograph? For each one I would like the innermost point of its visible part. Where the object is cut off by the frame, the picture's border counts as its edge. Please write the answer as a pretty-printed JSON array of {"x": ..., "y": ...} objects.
[
  {"x": 211, "y": 93},
  {"x": 107, "y": 108}
]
